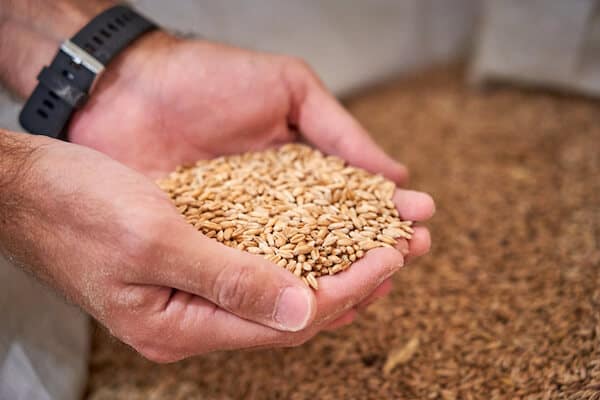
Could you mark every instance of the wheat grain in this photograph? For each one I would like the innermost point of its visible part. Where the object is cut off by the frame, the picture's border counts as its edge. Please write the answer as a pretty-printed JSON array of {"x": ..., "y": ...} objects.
[{"x": 306, "y": 212}]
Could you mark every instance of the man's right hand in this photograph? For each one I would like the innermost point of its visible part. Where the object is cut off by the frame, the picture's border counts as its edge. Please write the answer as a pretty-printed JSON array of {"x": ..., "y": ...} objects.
[{"x": 112, "y": 242}]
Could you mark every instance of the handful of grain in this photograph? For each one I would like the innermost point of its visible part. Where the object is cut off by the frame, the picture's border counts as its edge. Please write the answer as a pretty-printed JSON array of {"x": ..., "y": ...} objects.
[{"x": 306, "y": 212}]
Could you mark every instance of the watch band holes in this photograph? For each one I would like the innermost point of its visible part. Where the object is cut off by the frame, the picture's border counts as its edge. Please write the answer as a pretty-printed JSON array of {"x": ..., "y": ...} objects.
[
  {"x": 68, "y": 74},
  {"x": 112, "y": 27},
  {"x": 89, "y": 47},
  {"x": 42, "y": 113},
  {"x": 104, "y": 33},
  {"x": 53, "y": 95},
  {"x": 48, "y": 104},
  {"x": 127, "y": 17},
  {"x": 98, "y": 40},
  {"x": 119, "y": 21}
]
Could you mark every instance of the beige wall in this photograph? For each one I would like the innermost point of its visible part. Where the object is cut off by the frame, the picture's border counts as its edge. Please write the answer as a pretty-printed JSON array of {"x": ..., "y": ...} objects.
[
  {"x": 349, "y": 42},
  {"x": 549, "y": 43}
]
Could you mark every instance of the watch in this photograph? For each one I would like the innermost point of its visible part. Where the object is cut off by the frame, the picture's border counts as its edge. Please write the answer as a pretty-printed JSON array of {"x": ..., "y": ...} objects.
[{"x": 63, "y": 86}]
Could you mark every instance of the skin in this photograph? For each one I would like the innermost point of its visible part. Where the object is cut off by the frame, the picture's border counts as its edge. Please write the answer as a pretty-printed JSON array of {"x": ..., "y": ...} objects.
[{"x": 87, "y": 218}]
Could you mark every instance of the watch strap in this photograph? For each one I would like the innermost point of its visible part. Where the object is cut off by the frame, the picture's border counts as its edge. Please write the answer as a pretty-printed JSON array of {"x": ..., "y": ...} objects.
[{"x": 63, "y": 86}]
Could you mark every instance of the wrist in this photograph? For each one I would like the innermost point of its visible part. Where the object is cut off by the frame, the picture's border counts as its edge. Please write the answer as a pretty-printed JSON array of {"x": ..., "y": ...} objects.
[
  {"x": 146, "y": 51},
  {"x": 31, "y": 32}
]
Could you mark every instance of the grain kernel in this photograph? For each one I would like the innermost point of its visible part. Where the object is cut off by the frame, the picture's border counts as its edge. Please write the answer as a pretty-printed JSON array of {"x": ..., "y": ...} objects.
[{"x": 305, "y": 212}]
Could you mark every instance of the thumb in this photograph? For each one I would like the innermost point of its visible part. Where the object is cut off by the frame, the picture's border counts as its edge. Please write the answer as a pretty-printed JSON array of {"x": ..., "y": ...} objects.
[
  {"x": 247, "y": 285},
  {"x": 326, "y": 124}
]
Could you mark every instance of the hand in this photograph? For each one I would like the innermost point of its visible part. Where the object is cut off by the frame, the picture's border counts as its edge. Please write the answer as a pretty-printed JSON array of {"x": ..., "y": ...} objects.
[
  {"x": 137, "y": 266},
  {"x": 112, "y": 242},
  {"x": 166, "y": 102}
]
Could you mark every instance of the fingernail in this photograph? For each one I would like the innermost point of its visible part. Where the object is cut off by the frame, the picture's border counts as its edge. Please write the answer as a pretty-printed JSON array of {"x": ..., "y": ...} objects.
[{"x": 294, "y": 308}]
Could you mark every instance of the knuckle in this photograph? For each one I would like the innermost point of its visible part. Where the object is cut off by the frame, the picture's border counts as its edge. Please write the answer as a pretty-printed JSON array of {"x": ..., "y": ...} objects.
[
  {"x": 233, "y": 288},
  {"x": 300, "y": 63},
  {"x": 144, "y": 238},
  {"x": 301, "y": 67},
  {"x": 139, "y": 299}
]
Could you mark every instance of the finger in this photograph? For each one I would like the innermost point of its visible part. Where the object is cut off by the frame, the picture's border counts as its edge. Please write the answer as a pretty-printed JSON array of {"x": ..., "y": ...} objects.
[
  {"x": 195, "y": 325},
  {"x": 348, "y": 317},
  {"x": 345, "y": 319},
  {"x": 414, "y": 206},
  {"x": 402, "y": 246},
  {"x": 329, "y": 126},
  {"x": 383, "y": 290},
  {"x": 341, "y": 292},
  {"x": 245, "y": 284},
  {"x": 420, "y": 244},
  {"x": 337, "y": 295},
  {"x": 191, "y": 325}
]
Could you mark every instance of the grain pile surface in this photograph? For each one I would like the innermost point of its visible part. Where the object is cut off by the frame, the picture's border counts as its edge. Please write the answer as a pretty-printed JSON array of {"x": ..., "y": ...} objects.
[
  {"x": 506, "y": 305},
  {"x": 311, "y": 214}
]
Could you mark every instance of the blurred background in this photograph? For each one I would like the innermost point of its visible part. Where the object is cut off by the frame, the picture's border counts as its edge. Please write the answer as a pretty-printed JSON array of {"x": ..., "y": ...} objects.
[
  {"x": 354, "y": 43},
  {"x": 508, "y": 303}
]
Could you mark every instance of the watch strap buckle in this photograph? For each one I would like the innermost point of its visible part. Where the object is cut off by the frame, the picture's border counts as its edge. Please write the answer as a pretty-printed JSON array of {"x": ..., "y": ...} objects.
[
  {"x": 63, "y": 86},
  {"x": 81, "y": 57}
]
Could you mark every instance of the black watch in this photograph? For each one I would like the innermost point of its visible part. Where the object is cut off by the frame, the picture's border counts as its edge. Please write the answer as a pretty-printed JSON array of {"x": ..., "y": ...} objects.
[{"x": 64, "y": 85}]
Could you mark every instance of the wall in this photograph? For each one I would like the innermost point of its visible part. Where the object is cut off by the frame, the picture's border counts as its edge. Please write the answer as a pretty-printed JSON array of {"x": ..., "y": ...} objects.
[{"x": 350, "y": 43}]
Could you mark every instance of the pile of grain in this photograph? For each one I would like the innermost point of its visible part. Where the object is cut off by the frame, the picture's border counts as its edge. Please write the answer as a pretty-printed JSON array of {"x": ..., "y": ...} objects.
[
  {"x": 305, "y": 212},
  {"x": 506, "y": 305}
]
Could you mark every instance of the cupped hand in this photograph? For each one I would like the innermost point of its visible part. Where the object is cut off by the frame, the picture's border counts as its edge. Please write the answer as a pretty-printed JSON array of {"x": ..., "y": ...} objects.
[
  {"x": 167, "y": 102},
  {"x": 111, "y": 241}
]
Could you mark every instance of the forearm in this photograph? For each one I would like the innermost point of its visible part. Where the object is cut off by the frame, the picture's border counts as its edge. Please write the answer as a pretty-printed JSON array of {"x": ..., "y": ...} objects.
[
  {"x": 17, "y": 157},
  {"x": 32, "y": 30}
]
